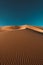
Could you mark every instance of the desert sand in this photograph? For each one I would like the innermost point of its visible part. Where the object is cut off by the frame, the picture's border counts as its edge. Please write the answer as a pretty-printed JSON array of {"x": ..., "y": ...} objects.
[{"x": 22, "y": 45}]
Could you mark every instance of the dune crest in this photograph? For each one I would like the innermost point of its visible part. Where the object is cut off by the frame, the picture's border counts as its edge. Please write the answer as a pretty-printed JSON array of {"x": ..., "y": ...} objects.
[{"x": 10, "y": 28}]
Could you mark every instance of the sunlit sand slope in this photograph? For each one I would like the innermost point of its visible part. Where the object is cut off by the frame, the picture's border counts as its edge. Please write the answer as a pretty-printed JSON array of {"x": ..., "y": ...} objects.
[{"x": 10, "y": 28}]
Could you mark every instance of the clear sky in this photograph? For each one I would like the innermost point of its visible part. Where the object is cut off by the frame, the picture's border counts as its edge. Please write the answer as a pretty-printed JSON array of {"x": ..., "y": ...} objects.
[{"x": 20, "y": 12}]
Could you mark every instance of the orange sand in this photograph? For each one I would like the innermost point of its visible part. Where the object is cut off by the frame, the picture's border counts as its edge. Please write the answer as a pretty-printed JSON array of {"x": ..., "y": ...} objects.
[{"x": 23, "y": 46}]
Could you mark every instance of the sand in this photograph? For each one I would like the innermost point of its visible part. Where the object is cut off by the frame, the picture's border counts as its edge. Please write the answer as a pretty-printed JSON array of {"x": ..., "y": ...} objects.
[{"x": 21, "y": 47}]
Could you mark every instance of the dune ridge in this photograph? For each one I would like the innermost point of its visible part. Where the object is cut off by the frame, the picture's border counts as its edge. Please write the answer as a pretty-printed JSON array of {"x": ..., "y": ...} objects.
[{"x": 10, "y": 28}]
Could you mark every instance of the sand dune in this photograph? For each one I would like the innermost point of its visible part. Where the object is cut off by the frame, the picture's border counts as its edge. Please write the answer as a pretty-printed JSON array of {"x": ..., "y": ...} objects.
[
  {"x": 10, "y": 28},
  {"x": 23, "y": 46}
]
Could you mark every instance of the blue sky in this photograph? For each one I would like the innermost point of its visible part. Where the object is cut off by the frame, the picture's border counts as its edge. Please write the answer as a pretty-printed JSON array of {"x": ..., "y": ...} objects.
[{"x": 20, "y": 12}]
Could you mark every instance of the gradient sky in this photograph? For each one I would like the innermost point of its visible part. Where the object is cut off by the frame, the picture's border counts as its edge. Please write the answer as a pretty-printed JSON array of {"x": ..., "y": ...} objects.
[{"x": 20, "y": 12}]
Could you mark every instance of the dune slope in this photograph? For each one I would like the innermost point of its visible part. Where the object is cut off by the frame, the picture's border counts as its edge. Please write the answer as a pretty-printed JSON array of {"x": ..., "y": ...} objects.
[{"x": 21, "y": 47}]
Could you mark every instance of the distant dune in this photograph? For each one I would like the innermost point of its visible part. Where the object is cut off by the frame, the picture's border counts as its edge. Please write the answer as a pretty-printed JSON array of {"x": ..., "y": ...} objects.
[
  {"x": 21, "y": 45},
  {"x": 10, "y": 28}
]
